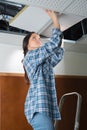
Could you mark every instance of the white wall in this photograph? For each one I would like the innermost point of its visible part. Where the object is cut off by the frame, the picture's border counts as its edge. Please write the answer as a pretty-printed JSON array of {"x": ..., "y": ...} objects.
[
  {"x": 73, "y": 63},
  {"x": 10, "y": 58},
  {"x": 11, "y": 53}
]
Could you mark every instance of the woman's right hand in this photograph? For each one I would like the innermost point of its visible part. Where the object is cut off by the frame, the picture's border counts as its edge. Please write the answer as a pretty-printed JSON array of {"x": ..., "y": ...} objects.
[{"x": 54, "y": 18}]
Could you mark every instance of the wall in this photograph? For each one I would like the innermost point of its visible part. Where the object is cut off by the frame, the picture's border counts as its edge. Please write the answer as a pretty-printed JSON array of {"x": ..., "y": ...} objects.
[
  {"x": 10, "y": 58},
  {"x": 73, "y": 63},
  {"x": 67, "y": 84},
  {"x": 13, "y": 91},
  {"x": 11, "y": 53}
]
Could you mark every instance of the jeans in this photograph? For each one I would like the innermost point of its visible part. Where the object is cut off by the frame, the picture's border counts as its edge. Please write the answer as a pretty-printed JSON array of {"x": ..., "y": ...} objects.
[{"x": 41, "y": 122}]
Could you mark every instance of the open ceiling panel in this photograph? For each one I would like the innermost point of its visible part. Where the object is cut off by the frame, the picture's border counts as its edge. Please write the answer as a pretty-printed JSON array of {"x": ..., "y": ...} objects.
[{"x": 31, "y": 19}]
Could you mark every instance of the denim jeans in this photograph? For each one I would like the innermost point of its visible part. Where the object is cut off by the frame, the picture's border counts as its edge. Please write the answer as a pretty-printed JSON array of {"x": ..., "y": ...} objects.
[{"x": 41, "y": 122}]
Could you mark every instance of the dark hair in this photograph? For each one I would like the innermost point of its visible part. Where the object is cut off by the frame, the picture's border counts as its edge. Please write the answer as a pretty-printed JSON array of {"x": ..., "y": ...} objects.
[{"x": 25, "y": 50}]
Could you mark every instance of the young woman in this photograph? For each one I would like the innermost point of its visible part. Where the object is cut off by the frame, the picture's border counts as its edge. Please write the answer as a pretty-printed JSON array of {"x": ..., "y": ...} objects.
[{"x": 41, "y": 107}]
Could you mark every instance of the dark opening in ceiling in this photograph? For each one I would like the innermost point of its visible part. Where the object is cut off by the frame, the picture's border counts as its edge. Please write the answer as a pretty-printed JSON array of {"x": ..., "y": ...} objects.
[
  {"x": 7, "y": 11},
  {"x": 9, "y": 8},
  {"x": 76, "y": 31}
]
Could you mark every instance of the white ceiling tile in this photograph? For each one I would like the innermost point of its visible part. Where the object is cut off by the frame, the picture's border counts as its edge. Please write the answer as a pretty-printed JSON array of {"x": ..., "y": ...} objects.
[
  {"x": 78, "y": 7},
  {"x": 32, "y": 19},
  {"x": 56, "y": 5}
]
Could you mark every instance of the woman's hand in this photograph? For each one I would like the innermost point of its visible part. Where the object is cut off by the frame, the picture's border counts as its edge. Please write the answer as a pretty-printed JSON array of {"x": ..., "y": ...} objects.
[{"x": 54, "y": 18}]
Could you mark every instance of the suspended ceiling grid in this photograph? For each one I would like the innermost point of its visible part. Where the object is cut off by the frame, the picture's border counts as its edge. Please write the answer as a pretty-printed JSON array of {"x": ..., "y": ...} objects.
[{"x": 33, "y": 18}]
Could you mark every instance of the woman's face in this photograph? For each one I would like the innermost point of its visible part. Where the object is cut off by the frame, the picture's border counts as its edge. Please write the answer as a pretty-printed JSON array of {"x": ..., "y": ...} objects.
[{"x": 34, "y": 42}]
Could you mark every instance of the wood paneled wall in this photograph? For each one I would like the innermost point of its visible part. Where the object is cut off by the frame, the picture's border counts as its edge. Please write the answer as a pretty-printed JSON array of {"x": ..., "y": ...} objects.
[
  {"x": 13, "y": 92},
  {"x": 67, "y": 84}
]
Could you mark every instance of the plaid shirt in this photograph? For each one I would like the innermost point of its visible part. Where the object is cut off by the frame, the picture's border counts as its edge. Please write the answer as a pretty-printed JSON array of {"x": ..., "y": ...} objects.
[{"x": 39, "y": 63}]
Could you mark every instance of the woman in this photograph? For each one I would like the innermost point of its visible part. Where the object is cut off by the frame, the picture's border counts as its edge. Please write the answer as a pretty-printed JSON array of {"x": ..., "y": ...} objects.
[{"x": 41, "y": 107}]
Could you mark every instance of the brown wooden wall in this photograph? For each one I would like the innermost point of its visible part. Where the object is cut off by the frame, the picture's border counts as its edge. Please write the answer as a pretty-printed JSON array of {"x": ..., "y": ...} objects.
[
  {"x": 67, "y": 84},
  {"x": 13, "y": 91}
]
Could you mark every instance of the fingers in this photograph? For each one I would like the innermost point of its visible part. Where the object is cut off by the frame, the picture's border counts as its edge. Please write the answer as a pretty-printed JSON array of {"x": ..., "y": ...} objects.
[
  {"x": 54, "y": 18},
  {"x": 49, "y": 12}
]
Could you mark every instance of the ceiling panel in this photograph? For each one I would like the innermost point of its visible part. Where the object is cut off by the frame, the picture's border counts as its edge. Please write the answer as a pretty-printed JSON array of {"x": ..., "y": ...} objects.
[
  {"x": 78, "y": 7},
  {"x": 56, "y": 5},
  {"x": 31, "y": 19}
]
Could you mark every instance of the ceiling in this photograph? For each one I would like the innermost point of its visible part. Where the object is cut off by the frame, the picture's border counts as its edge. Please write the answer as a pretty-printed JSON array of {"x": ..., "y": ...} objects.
[
  {"x": 78, "y": 7},
  {"x": 28, "y": 15}
]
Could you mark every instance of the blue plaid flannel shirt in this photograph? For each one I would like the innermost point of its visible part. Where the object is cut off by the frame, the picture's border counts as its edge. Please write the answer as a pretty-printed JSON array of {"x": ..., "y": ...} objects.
[{"x": 39, "y": 63}]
